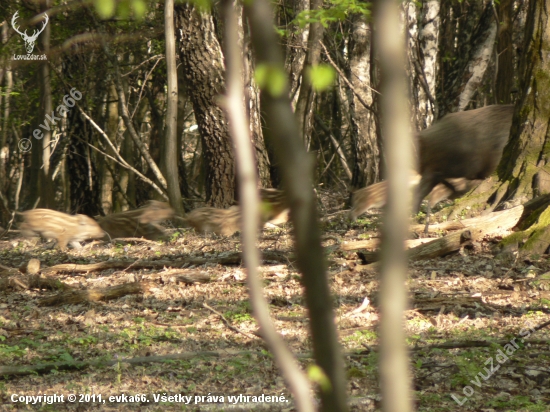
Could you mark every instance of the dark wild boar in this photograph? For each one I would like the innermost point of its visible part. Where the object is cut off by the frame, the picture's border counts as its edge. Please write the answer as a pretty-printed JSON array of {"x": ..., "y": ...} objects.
[
  {"x": 456, "y": 152},
  {"x": 465, "y": 145}
]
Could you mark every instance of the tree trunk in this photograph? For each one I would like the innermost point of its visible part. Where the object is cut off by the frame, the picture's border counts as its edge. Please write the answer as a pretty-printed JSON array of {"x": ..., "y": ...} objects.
[
  {"x": 422, "y": 51},
  {"x": 465, "y": 49},
  {"x": 395, "y": 380},
  {"x": 105, "y": 165},
  {"x": 183, "y": 110},
  {"x": 296, "y": 46},
  {"x": 504, "y": 54},
  {"x": 250, "y": 207},
  {"x": 365, "y": 153},
  {"x": 252, "y": 96},
  {"x": 170, "y": 138},
  {"x": 296, "y": 172},
  {"x": 304, "y": 113},
  {"x": 126, "y": 178},
  {"x": 481, "y": 52},
  {"x": 525, "y": 159},
  {"x": 202, "y": 59},
  {"x": 84, "y": 187},
  {"x": 45, "y": 187},
  {"x": 7, "y": 75},
  {"x": 252, "y": 99}
]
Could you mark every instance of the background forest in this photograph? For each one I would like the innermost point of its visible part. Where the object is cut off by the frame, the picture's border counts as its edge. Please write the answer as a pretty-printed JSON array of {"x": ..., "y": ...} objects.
[
  {"x": 111, "y": 105},
  {"x": 108, "y": 153}
]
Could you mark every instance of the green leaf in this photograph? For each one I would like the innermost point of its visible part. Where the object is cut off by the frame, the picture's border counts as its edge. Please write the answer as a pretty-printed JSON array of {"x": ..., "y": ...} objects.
[
  {"x": 322, "y": 77},
  {"x": 202, "y": 5},
  {"x": 271, "y": 79},
  {"x": 124, "y": 10},
  {"x": 280, "y": 32},
  {"x": 66, "y": 357},
  {"x": 105, "y": 8},
  {"x": 317, "y": 375},
  {"x": 140, "y": 8},
  {"x": 260, "y": 75},
  {"x": 336, "y": 10}
]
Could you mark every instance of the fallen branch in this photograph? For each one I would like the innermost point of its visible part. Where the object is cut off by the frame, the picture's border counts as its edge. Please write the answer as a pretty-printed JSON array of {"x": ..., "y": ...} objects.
[
  {"x": 490, "y": 224},
  {"x": 186, "y": 276},
  {"x": 7, "y": 271},
  {"x": 48, "y": 367},
  {"x": 441, "y": 246},
  {"x": 94, "y": 295},
  {"x": 229, "y": 325},
  {"x": 477, "y": 228},
  {"x": 133, "y": 240},
  {"x": 375, "y": 243},
  {"x": 32, "y": 282},
  {"x": 233, "y": 258}
]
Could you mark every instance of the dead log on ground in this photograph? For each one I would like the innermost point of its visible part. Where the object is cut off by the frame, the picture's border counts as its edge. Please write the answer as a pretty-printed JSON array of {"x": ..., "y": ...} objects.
[
  {"x": 94, "y": 295},
  {"x": 478, "y": 227},
  {"x": 491, "y": 224},
  {"x": 374, "y": 243},
  {"x": 32, "y": 282},
  {"x": 233, "y": 258}
]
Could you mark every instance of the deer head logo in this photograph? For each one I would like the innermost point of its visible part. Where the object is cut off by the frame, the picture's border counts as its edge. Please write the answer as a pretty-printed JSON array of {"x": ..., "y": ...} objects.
[{"x": 29, "y": 40}]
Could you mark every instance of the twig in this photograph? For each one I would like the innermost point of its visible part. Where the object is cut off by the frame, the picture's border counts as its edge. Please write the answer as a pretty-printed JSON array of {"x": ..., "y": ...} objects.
[
  {"x": 143, "y": 87},
  {"x": 125, "y": 165},
  {"x": 233, "y": 328},
  {"x": 160, "y": 57},
  {"x": 345, "y": 79}
]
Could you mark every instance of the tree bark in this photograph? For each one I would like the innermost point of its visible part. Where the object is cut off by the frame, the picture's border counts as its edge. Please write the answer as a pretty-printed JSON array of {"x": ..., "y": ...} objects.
[
  {"x": 296, "y": 47},
  {"x": 170, "y": 138},
  {"x": 467, "y": 38},
  {"x": 303, "y": 111},
  {"x": 395, "y": 380},
  {"x": 202, "y": 59},
  {"x": 45, "y": 186},
  {"x": 296, "y": 168},
  {"x": 525, "y": 161},
  {"x": 365, "y": 153},
  {"x": 422, "y": 51},
  {"x": 504, "y": 54},
  {"x": 250, "y": 206},
  {"x": 481, "y": 52},
  {"x": 263, "y": 163}
]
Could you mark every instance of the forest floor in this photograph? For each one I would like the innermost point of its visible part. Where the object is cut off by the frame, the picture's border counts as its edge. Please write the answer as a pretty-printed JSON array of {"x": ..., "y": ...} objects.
[{"x": 471, "y": 325}]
